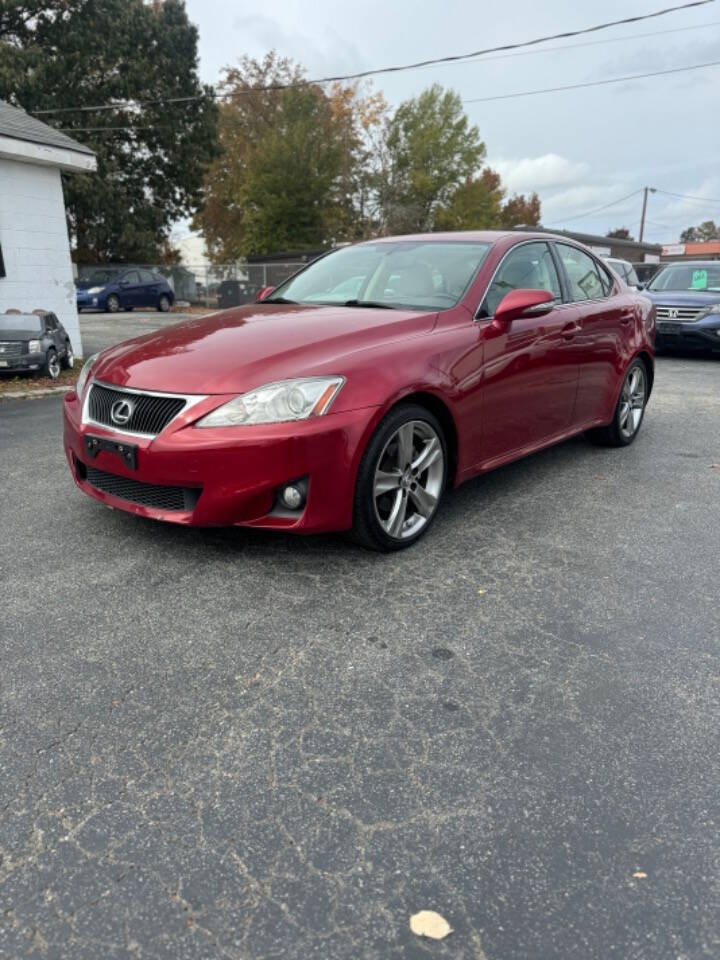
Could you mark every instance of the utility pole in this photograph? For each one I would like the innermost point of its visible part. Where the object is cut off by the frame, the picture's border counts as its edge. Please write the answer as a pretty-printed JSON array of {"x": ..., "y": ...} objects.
[{"x": 644, "y": 210}]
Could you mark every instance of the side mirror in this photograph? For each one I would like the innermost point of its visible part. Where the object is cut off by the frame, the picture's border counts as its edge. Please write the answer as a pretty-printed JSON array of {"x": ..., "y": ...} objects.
[
  {"x": 523, "y": 303},
  {"x": 639, "y": 286},
  {"x": 124, "y": 283},
  {"x": 263, "y": 293}
]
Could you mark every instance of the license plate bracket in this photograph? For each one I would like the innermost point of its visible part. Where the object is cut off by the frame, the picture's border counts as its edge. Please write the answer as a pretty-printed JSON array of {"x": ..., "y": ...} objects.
[
  {"x": 664, "y": 327},
  {"x": 126, "y": 451}
]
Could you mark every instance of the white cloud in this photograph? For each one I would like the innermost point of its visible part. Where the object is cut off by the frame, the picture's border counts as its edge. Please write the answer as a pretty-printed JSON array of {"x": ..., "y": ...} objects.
[{"x": 539, "y": 173}]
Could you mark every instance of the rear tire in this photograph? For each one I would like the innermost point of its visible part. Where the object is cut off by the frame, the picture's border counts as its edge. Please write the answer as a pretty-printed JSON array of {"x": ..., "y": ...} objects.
[
  {"x": 164, "y": 304},
  {"x": 68, "y": 361},
  {"x": 629, "y": 412},
  {"x": 401, "y": 480}
]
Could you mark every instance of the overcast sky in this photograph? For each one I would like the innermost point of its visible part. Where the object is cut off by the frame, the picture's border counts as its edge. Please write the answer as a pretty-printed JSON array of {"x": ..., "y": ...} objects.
[{"x": 579, "y": 149}]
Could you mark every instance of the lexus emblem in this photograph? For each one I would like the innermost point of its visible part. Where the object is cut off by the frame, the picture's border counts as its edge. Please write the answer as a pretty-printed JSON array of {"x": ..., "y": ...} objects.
[
  {"x": 673, "y": 314},
  {"x": 121, "y": 411}
]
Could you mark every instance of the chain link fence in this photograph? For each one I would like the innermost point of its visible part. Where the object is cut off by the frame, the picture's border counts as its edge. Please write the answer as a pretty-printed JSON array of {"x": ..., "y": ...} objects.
[{"x": 215, "y": 286}]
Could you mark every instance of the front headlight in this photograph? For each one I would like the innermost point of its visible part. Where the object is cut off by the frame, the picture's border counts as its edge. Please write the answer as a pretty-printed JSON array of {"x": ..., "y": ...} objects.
[
  {"x": 84, "y": 373},
  {"x": 277, "y": 403},
  {"x": 714, "y": 310},
  {"x": 33, "y": 346},
  {"x": 96, "y": 289}
]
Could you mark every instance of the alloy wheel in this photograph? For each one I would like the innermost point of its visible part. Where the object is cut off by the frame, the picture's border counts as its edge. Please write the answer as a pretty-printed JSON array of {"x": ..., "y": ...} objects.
[
  {"x": 632, "y": 401},
  {"x": 53, "y": 365},
  {"x": 408, "y": 479}
]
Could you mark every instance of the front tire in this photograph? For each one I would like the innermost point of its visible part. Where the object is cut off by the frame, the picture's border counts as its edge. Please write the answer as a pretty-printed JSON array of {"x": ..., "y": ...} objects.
[
  {"x": 112, "y": 304},
  {"x": 401, "y": 479},
  {"x": 629, "y": 412},
  {"x": 52, "y": 365}
]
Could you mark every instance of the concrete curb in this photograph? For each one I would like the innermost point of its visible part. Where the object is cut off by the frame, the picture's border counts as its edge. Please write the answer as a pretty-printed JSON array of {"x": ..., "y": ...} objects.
[{"x": 26, "y": 394}]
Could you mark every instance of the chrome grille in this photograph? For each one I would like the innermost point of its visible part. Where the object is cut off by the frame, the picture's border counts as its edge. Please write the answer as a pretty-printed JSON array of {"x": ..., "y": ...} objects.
[
  {"x": 10, "y": 348},
  {"x": 678, "y": 314},
  {"x": 147, "y": 494},
  {"x": 151, "y": 413}
]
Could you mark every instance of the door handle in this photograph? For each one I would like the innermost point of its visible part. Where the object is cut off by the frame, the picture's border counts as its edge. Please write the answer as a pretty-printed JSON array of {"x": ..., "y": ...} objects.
[{"x": 570, "y": 329}]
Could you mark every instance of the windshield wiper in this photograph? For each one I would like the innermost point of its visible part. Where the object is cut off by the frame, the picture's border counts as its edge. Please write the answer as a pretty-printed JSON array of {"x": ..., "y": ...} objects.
[
  {"x": 277, "y": 300},
  {"x": 369, "y": 303}
]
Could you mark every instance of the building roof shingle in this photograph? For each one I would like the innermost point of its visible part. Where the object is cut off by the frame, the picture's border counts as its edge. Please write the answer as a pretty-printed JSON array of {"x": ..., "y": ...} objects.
[{"x": 18, "y": 125}]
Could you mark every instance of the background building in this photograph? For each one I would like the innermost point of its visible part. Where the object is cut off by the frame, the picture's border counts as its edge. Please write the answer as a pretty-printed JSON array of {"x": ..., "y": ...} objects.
[{"x": 35, "y": 266}]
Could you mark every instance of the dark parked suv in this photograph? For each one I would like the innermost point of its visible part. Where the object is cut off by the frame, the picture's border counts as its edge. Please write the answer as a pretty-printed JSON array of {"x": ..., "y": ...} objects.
[
  {"x": 35, "y": 342},
  {"x": 113, "y": 290}
]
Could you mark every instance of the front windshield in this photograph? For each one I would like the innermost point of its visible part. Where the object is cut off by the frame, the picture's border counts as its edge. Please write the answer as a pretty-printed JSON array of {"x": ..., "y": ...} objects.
[
  {"x": 23, "y": 321},
  {"x": 689, "y": 277},
  {"x": 419, "y": 275}
]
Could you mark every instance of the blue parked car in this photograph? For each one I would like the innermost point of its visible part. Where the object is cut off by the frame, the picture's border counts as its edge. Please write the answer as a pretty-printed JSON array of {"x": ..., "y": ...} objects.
[
  {"x": 114, "y": 290},
  {"x": 687, "y": 304}
]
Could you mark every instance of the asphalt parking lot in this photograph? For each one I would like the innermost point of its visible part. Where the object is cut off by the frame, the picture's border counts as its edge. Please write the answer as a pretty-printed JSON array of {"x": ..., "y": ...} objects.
[
  {"x": 230, "y": 744},
  {"x": 101, "y": 330}
]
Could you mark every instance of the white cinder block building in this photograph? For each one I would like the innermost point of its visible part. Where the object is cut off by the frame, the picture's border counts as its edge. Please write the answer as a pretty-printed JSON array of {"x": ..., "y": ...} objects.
[{"x": 35, "y": 266}]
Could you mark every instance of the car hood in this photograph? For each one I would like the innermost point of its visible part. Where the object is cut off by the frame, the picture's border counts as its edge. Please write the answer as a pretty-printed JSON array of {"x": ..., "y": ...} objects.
[
  {"x": 236, "y": 350},
  {"x": 21, "y": 333},
  {"x": 682, "y": 298}
]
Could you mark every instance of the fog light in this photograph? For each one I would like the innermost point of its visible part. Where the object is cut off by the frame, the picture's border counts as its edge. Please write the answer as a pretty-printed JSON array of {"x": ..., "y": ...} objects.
[{"x": 292, "y": 497}]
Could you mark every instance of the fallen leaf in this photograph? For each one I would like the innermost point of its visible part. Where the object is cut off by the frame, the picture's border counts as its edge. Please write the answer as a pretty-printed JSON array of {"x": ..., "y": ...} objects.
[
  {"x": 427, "y": 923},
  {"x": 715, "y": 466},
  {"x": 640, "y": 875}
]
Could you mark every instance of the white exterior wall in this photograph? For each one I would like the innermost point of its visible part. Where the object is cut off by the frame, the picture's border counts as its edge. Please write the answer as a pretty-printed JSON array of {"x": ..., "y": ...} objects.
[{"x": 35, "y": 244}]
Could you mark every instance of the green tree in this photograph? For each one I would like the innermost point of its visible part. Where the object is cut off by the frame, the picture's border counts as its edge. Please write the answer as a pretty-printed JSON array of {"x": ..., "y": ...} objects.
[
  {"x": 475, "y": 205},
  {"x": 429, "y": 150},
  {"x": 290, "y": 175},
  {"x": 708, "y": 230},
  {"x": 479, "y": 204},
  {"x": 72, "y": 53},
  {"x": 620, "y": 233}
]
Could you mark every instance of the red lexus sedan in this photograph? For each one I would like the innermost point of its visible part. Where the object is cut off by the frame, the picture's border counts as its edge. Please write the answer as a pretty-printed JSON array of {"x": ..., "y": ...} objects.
[{"x": 356, "y": 393}]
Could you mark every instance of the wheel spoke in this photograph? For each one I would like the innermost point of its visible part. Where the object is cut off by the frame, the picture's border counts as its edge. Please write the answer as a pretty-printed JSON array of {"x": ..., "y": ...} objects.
[
  {"x": 625, "y": 409},
  {"x": 405, "y": 444},
  {"x": 385, "y": 481},
  {"x": 428, "y": 455},
  {"x": 397, "y": 515},
  {"x": 424, "y": 501}
]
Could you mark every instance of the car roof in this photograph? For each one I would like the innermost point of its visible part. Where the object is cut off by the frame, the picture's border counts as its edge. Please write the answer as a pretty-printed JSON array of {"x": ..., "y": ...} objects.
[
  {"x": 691, "y": 263},
  {"x": 476, "y": 236}
]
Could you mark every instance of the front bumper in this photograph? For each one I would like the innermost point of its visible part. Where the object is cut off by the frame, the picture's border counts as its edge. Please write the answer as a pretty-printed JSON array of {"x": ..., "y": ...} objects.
[
  {"x": 21, "y": 364},
  {"x": 86, "y": 302},
  {"x": 697, "y": 335},
  {"x": 232, "y": 474}
]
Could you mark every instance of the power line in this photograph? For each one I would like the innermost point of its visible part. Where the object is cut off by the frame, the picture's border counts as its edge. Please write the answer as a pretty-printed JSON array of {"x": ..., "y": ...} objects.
[
  {"x": 395, "y": 69},
  {"x": 592, "y": 43},
  {"x": 593, "y": 83},
  {"x": 684, "y": 196},
  {"x": 510, "y": 96},
  {"x": 590, "y": 213}
]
